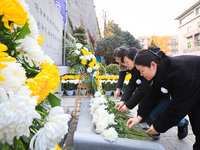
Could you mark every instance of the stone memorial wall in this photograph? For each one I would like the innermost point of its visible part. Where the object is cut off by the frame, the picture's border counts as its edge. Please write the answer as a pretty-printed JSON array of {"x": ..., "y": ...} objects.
[{"x": 50, "y": 24}]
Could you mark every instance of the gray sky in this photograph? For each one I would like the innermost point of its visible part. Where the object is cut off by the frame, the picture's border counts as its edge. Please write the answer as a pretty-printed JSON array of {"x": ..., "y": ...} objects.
[{"x": 143, "y": 17}]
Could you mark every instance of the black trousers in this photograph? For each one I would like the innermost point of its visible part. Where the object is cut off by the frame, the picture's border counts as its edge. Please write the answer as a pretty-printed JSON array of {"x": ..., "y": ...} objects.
[{"x": 194, "y": 116}]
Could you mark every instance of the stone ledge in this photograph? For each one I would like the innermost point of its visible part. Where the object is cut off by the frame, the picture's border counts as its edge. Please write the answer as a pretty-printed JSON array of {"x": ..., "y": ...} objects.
[{"x": 85, "y": 137}]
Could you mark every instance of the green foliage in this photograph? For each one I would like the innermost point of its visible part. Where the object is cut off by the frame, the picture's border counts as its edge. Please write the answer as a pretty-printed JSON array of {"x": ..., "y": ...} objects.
[
  {"x": 79, "y": 34},
  {"x": 130, "y": 41},
  {"x": 107, "y": 86},
  {"x": 69, "y": 86},
  {"x": 53, "y": 100},
  {"x": 102, "y": 69},
  {"x": 105, "y": 46},
  {"x": 112, "y": 69},
  {"x": 71, "y": 24}
]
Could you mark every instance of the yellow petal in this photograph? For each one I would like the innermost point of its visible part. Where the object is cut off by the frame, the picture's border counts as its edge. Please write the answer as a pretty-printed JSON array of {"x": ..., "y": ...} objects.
[
  {"x": 2, "y": 78},
  {"x": 7, "y": 59},
  {"x": 3, "y": 47}
]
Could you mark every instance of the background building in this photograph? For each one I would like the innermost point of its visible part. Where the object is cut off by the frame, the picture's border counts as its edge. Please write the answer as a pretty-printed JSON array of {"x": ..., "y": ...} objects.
[
  {"x": 173, "y": 43},
  {"x": 189, "y": 30}
]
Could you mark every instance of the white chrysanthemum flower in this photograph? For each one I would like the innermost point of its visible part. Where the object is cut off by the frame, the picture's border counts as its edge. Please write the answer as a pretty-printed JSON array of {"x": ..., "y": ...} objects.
[
  {"x": 111, "y": 119},
  {"x": 3, "y": 95},
  {"x": 89, "y": 69},
  {"x": 95, "y": 74},
  {"x": 31, "y": 51},
  {"x": 85, "y": 49},
  {"x": 79, "y": 45},
  {"x": 52, "y": 132},
  {"x": 97, "y": 94},
  {"x": 33, "y": 27},
  {"x": 77, "y": 52},
  {"x": 102, "y": 81},
  {"x": 16, "y": 114},
  {"x": 76, "y": 81},
  {"x": 82, "y": 57},
  {"x": 108, "y": 81},
  {"x": 96, "y": 67},
  {"x": 164, "y": 90},
  {"x": 48, "y": 59},
  {"x": 92, "y": 56},
  {"x": 138, "y": 81},
  {"x": 110, "y": 134},
  {"x": 101, "y": 124},
  {"x": 88, "y": 57},
  {"x": 15, "y": 76}
]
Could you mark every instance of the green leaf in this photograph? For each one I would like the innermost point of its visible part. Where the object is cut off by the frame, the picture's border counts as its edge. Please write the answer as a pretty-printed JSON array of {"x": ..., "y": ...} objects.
[
  {"x": 25, "y": 139},
  {"x": 5, "y": 147},
  {"x": 24, "y": 31},
  {"x": 19, "y": 142},
  {"x": 53, "y": 100}
]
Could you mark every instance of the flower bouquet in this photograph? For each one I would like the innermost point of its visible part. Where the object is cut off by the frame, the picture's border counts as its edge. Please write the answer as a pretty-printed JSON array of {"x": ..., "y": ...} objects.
[
  {"x": 111, "y": 123},
  {"x": 30, "y": 113},
  {"x": 84, "y": 63}
]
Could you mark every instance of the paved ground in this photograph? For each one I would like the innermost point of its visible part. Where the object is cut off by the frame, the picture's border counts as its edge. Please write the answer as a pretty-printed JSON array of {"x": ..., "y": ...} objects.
[{"x": 168, "y": 140}]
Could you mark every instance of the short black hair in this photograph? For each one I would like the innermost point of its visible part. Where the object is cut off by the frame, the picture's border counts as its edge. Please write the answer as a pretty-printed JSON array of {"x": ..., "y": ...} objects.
[
  {"x": 119, "y": 52},
  {"x": 131, "y": 53}
]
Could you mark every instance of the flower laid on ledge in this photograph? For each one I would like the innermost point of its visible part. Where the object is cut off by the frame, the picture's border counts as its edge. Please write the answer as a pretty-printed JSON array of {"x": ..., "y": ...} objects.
[
  {"x": 29, "y": 109},
  {"x": 111, "y": 123}
]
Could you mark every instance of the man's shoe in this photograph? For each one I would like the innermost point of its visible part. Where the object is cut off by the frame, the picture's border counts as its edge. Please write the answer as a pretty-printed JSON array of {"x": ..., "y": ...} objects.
[
  {"x": 156, "y": 136},
  {"x": 183, "y": 131}
]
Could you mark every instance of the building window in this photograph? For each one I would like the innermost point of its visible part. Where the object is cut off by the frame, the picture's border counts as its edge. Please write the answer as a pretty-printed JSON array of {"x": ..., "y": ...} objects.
[
  {"x": 188, "y": 29},
  {"x": 173, "y": 41},
  {"x": 197, "y": 11},
  {"x": 142, "y": 40},
  {"x": 189, "y": 45},
  {"x": 198, "y": 24},
  {"x": 198, "y": 42},
  {"x": 173, "y": 47}
]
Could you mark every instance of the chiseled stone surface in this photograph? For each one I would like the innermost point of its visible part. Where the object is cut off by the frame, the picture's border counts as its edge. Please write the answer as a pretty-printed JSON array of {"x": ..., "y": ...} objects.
[{"x": 85, "y": 137}]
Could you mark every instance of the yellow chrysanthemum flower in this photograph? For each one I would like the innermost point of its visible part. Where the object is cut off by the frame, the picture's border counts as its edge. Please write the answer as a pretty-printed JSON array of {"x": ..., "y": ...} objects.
[
  {"x": 94, "y": 60},
  {"x": 12, "y": 11},
  {"x": 98, "y": 66},
  {"x": 72, "y": 70},
  {"x": 3, "y": 58},
  {"x": 91, "y": 64},
  {"x": 97, "y": 72},
  {"x": 40, "y": 40},
  {"x": 98, "y": 82},
  {"x": 57, "y": 147},
  {"x": 44, "y": 82},
  {"x": 89, "y": 53},
  {"x": 84, "y": 62},
  {"x": 84, "y": 51}
]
